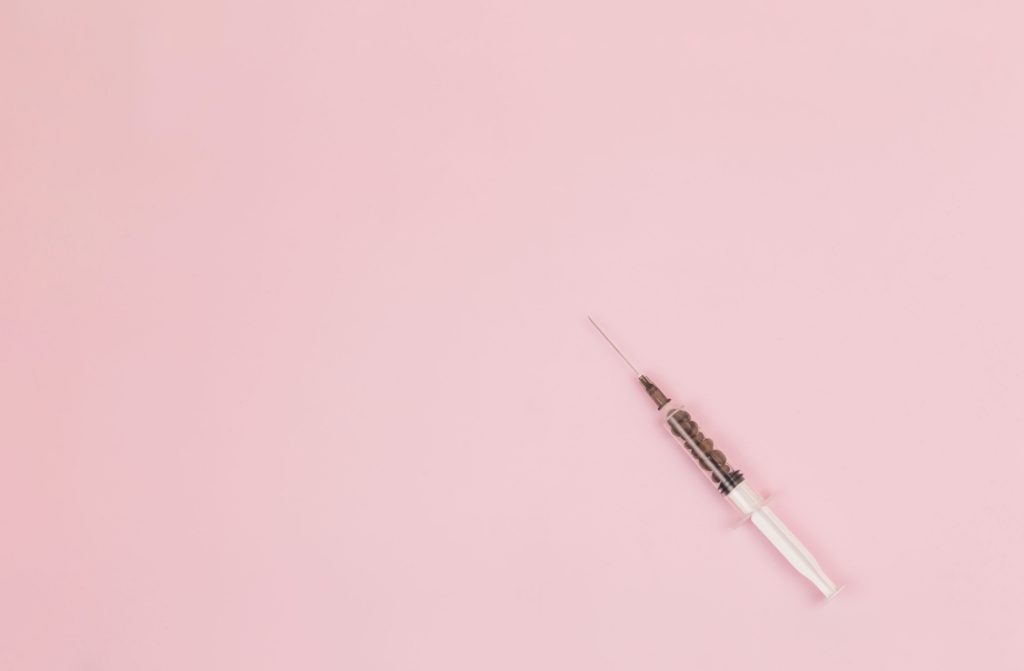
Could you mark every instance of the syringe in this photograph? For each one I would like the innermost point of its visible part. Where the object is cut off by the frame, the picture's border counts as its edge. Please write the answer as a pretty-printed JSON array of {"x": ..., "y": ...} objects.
[{"x": 731, "y": 482}]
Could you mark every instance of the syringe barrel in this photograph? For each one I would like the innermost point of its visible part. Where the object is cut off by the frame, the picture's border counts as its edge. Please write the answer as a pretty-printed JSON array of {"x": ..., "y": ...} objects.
[{"x": 701, "y": 449}]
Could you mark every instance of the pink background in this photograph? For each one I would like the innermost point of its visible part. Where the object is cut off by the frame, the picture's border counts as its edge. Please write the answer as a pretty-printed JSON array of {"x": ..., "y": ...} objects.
[{"x": 295, "y": 370}]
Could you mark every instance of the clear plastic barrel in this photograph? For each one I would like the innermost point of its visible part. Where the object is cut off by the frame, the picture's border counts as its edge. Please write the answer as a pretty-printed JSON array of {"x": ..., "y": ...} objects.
[{"x": 701, "y": 449}]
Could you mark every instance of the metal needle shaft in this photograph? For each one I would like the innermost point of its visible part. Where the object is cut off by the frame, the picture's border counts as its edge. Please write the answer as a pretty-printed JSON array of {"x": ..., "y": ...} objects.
[{"x": 617, "y": 350}]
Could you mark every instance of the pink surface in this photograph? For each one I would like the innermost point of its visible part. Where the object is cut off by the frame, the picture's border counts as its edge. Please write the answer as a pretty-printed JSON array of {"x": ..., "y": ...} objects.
[{"x": 295, "y": 371}]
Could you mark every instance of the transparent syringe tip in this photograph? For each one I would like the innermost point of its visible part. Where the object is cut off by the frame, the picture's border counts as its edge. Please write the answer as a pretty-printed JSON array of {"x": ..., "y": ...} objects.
[{"x": 656, "y": 394}]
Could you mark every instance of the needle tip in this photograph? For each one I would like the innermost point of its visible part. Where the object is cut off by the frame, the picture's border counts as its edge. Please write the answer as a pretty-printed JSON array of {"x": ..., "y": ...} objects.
[{"x": 617, "y": 350}]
